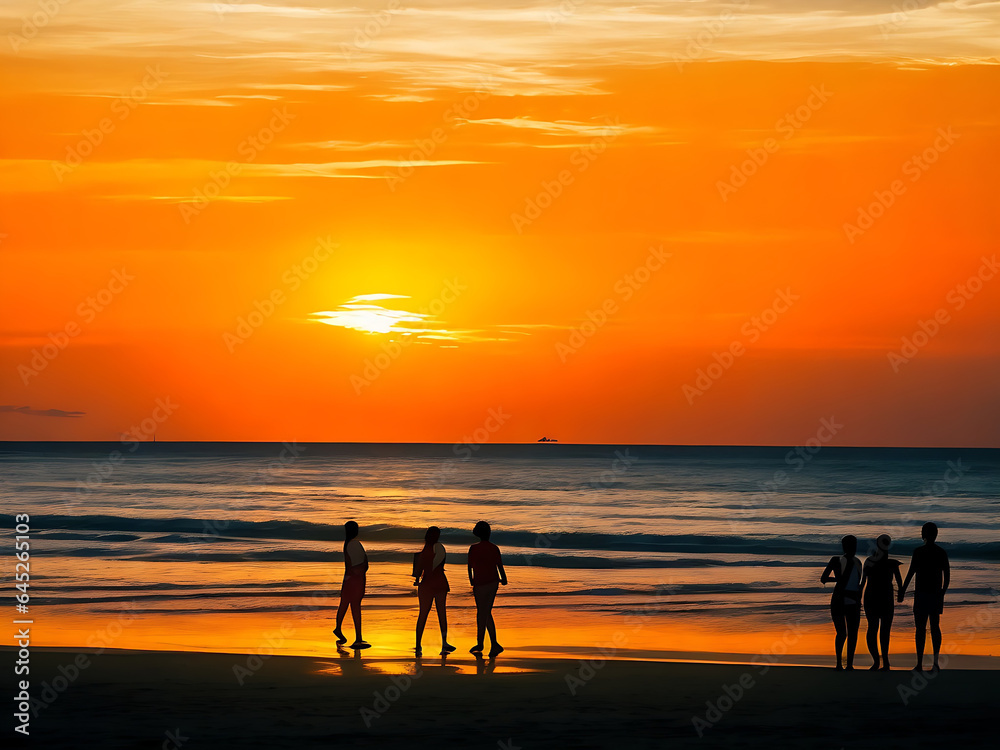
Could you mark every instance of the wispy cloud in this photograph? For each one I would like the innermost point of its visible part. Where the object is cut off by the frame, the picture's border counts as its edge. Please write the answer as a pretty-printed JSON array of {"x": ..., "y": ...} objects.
[
  {"x": 563, "y": 128},
  {"x": 29, "y": 412},
  {"x": 347, "y": 168},
  {"x": 360, "y": 314}
]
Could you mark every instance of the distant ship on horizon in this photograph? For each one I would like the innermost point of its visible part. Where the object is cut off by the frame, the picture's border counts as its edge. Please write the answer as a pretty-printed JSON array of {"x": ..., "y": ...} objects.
[{"x": 547, "y": 440}]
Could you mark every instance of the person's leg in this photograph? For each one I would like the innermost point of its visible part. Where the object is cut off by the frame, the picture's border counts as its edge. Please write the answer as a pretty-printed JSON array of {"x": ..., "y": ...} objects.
[
  {"x": 837, "y": 614},
  {"x": 342, "y": 610},
  {"x": 936, "y": 637},
  {"x": 425, "y": 609},
  {"x": 853, "y": 623},
  {"x": 884, "y": 632},
  {"x": 920, "y": 635},
  {"x": 441, "y": 604},
  {"x": 491, "y": 628},
  {"x": 871, "y": 636},
  {"x": 356, "y": 614},
  {"x": 341, "y": 613},
  {"x": 482, "y": 613}
]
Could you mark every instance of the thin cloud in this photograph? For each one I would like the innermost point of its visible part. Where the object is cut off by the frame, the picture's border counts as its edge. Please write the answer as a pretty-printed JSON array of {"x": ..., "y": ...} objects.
[
  {"x": 562, "y": 127},
  {"x": 29, "y": 412}
]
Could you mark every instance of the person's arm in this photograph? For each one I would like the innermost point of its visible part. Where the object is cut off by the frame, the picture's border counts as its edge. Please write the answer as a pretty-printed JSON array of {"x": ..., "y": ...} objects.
[
  {"x": 348, "y": 562},
  {"x": 864, "y": 577},
  {"x": 830, "y": 572},
  {"x": 426, "y": 565},
  {"x": 471, "y": 581},
  {"x": 899, "y": 578},
  {"x": 421, "y": 567},
  {"x": 906, "y": 581},
  {"x": 503, "y": 573},
  {"x": 946, "y": 573}
]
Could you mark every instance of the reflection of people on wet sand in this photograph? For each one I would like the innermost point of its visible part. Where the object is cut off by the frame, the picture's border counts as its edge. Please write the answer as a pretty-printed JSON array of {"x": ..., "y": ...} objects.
[
  {"x": 845, "y": 604},
  {"x": 879, "y": 601},
  {"x": 432, "y": 587},
  {"x": 933, "y": 572},
  {"x": 486, "y": 573},
  {"x": 353, "y": 589}
]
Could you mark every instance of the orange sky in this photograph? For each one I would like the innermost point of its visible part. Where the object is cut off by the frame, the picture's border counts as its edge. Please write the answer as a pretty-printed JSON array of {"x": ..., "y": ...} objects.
[{"x": 388, "y": 150}]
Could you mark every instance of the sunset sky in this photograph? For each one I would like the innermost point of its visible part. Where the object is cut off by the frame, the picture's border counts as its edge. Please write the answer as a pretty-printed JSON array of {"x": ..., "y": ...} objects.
[{"x": 666, "y": 222}]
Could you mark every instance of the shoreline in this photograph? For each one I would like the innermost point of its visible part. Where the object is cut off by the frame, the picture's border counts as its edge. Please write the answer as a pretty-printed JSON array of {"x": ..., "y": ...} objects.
[
  {"x": 530, "y": 660},
  {"x": 129, "y": 698}
]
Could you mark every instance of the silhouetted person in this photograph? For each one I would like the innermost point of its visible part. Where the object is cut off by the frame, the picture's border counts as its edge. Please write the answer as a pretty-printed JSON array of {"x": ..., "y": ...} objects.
[
  {"x": 432, "y": 587},
  {"x": 879, "y": 599},
  {"x": 845, "y": 604},
  {"x": 353, "y": 589},
  {"x": 486, "y": 573},
  {"x": 930, "y": 565}
]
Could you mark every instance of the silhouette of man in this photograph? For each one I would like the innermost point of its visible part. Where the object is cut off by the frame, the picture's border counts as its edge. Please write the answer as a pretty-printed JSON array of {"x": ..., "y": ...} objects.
[
  {"x": 930, "y": 565},
  {"x": 486, "y": 575}
]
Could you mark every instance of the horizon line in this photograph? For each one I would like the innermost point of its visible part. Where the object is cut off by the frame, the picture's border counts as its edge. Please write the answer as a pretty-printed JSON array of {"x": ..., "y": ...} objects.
[{"x": 499, "y": 444}]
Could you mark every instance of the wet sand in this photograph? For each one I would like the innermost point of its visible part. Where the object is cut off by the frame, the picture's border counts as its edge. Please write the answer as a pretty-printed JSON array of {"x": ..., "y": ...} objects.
[{"x": 124, "y": 699}]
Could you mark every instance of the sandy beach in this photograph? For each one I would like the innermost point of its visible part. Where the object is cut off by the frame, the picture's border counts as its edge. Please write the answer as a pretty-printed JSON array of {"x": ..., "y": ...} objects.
[{"x": 161, "y": 699}]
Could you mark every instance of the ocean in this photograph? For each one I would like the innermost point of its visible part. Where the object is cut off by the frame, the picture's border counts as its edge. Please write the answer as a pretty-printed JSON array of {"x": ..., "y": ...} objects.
[{"x": 699, "y": 553}]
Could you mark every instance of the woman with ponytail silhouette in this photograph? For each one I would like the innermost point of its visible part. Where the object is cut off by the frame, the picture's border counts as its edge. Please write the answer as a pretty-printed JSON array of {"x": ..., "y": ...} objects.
[
  {"x": 432, "y": 587},
  {"x": 353, "y": 589},
  {"x": 845, "y": 604}
]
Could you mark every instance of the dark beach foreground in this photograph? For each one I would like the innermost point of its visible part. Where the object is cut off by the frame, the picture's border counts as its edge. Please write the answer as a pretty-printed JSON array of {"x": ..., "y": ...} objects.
[{"x": 125, "y": 699}]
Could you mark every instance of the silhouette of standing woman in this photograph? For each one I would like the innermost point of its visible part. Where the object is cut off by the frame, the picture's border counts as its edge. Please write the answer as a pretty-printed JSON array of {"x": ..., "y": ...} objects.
[
  {"x": 933, "y": 572},
  {"x": 845, "y": 604},
  {"x": 879, "y": 599},
  {"x": 353, "y": 589},
  {"x": 486, "y": 573},
  {"x": 432, "y": 587}
]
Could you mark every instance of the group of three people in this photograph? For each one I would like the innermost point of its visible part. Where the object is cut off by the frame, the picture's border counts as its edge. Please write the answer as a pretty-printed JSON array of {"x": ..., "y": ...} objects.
[
  {"x": 871, "y": 583},
  {"x": 486, "y": 575}
]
